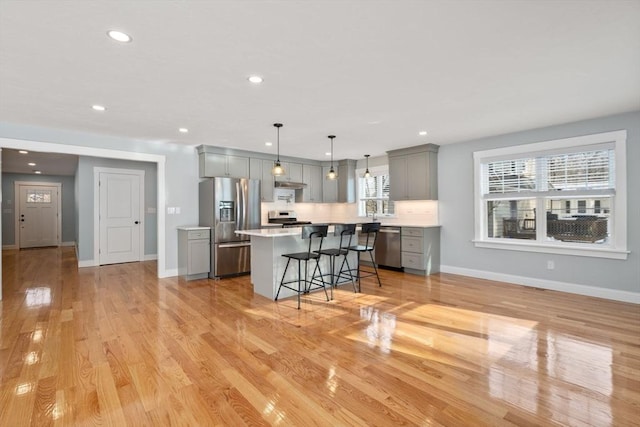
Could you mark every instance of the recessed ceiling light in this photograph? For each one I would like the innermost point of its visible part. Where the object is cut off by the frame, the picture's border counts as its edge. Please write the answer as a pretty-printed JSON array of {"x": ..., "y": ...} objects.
[
  {"x": 328, "y": 153},
  {"x": 255, "y": 79},
  {"x": 37, "y": 172},
  {"x": 23, "y": 152},
  {"x": 99, "y": 107},
  {"x": 374, "y": 122},
  {"x": 422, "y": 133},
  {"x": 31, "y": 164},
  {"x": 119, "y": 36},
  {"x": 183, "y": 130},
  {"x": 268, "y": 144}
]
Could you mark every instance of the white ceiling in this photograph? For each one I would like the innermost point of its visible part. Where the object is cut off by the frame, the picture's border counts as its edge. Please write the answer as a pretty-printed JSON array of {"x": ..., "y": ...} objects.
[{"x": 374, "y": 73}]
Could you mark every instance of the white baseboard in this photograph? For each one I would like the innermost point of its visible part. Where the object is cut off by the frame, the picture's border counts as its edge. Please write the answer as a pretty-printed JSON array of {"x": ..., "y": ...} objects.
[
  {"x": 573, "y": 288},
  {"x": 68, "y": 244},
  {"x": 150, "y": 257},
  {"x": 169, "y": 273},
  {"x": 9, "y": 247},
  {"x": 87, "y": 263}
]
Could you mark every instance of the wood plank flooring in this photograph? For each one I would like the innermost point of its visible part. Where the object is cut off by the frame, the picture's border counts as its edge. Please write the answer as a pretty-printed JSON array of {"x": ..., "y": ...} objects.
[{"x": 116, "y": 346}]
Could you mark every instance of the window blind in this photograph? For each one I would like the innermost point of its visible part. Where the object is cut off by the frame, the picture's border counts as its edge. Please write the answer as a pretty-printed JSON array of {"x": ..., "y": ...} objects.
[{"x": 586, "y": 170}]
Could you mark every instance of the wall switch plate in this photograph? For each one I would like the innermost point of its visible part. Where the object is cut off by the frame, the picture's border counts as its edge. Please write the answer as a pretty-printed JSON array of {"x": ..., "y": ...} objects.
[
  {"x": 550, "y": 265},
  {"x": 177, "y": 210},
  {"x": 171, "y": 211}
]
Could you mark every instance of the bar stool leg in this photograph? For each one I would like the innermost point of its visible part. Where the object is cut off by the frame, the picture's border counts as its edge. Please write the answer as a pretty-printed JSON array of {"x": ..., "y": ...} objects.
[
  {"x": 282, "y": 280},
  {"x": 375, "y": 268},
  {"x": 300, "y": 283}
]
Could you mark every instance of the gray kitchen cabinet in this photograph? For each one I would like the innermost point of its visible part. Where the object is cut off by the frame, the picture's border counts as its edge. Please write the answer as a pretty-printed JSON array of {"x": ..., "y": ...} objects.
[
  {"x": 347, "y": 181},
  {"x": 193, "y": 252},
  {"x": 261, "y": 169},
  {"x": 420, "y": 250},
  {"x": 312, "y": 176},
  {"x": 413, "y": 173},
  {"x": 293, "y": 172},
  {"x": 214, "y": 164},
  {"x": 329, "y": 187}
]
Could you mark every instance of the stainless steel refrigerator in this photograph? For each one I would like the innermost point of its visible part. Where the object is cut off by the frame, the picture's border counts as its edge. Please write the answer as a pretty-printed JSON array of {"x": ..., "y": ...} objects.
[{"x": 227, "y": 205}]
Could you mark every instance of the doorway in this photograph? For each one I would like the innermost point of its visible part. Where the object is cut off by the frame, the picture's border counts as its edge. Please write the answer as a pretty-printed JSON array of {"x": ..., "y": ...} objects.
[{"x": 39, "y": 219}]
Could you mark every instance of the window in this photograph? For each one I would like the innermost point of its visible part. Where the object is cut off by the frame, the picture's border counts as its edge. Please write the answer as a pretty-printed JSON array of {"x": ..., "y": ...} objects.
[
  {"x": 373, "y": 192},
  {"x": 38, "y": 196},
  {"x": 565, "y": 196}
]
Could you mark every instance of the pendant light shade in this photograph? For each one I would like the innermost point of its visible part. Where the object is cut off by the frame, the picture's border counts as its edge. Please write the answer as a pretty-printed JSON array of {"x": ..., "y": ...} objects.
[
  {"x": 367, "y": 174},
  {"x": 332, "y": 173},
  {"x": 277, "y": 170}
]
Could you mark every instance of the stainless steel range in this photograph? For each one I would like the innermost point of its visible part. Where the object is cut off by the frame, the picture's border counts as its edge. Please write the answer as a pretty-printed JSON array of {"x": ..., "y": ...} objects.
[{"x": 285, "y": 217}]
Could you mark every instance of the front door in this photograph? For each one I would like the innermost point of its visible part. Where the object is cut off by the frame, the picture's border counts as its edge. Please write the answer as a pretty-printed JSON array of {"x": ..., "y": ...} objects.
[
  {"x": 38, "y": 215},
  {"x": 120, "y": 217}
]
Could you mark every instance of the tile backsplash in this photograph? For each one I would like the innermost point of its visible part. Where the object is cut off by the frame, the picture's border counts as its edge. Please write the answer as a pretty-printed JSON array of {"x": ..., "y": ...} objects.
[{"x": 417, "y": 212}]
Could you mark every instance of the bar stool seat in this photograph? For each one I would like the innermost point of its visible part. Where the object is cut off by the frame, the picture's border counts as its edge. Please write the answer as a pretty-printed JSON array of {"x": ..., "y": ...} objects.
[
  {"x": 370, "y": 229},
  {"x": 311, "y": 233},
  {"x": 346, "y": 233}
]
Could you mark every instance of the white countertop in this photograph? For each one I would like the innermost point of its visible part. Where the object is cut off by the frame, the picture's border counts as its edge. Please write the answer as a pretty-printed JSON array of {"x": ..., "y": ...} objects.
[
  {"x": 295, "y": 231},
  {"x": 192, "y": 228},
  {"x": 271, "y": 232}
]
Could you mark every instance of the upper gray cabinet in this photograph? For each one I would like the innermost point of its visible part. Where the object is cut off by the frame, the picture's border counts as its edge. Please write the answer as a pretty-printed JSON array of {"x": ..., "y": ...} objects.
[
  {"x": 413, "y": 173},
  {"x": 312, "y": 176},
  {"x": 261, "y": 169},
  {"x": 214, "y": 164},
  {"x": 347, "y": 181},
  {"x": 292, "y": 172},
  {"x": 329, "y": 187}
]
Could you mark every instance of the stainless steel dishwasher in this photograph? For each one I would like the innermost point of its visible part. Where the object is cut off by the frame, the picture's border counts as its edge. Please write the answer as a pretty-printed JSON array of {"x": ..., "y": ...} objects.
[{"x": 388, "y": 247}]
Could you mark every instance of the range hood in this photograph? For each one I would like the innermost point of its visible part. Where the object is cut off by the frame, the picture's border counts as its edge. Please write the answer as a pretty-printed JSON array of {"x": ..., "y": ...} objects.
[{"x": 290, "y": 185}]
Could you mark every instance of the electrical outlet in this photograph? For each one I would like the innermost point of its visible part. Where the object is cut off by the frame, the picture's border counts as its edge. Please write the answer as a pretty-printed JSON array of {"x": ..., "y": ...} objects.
[{"x": 550, "y": 265}]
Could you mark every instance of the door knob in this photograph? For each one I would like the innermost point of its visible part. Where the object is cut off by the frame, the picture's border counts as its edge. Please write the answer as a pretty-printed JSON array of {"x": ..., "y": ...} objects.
[{"x": 137, "y": 222}]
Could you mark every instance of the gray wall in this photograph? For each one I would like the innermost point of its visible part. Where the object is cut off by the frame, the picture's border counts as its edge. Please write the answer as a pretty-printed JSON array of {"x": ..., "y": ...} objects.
[
  {"x": 9, "y": 211},
  {"x": 456, "y": 204},
  {"x": 84, "y": 177},
  {"x": 181, "y": 172}
]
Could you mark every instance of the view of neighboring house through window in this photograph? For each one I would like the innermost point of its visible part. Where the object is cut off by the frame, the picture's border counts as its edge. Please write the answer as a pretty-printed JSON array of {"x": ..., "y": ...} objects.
[
  {"x": 560, "y": 193},
  {"x": 373, "y": 193}
]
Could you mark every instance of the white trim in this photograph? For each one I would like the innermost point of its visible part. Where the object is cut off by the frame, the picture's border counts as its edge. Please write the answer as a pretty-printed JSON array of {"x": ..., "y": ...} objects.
[
  {"x": 4, "y": 247},
  {"x": 573, "y": 288},
  {"x": 96, "y": 207},
  {"x": 16, "y": 199},
  {"x": 617, "y": 246},
  {"x": 49, "y": 147},
  {"x": 150, "y": 257},
  {"x": 87, "y": 263},
  {"x": 528, "y": 246},
  {"x": 171, "y": 273},
  {"x": 72, "y": 243}
]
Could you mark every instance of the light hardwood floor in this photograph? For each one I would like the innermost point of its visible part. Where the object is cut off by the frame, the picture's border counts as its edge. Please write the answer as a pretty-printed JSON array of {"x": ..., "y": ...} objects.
[{"x": 117, "y": 346}]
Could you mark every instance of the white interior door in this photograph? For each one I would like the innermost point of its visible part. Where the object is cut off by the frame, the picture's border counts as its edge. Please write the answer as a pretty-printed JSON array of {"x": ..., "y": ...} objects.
[
  {"x": 120, "y": 207},
  {"x": 38, "y": 216}
]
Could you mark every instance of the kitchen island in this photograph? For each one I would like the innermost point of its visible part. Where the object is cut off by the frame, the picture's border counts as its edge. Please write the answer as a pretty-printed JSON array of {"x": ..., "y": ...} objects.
[{"x": 268, "y": 264}]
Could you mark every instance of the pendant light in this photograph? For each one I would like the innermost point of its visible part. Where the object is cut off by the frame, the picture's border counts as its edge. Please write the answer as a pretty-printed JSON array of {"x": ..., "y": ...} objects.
[
  {"x": 332, "y": 173},
  {"x": 367, "y": 174},
  {"x": 277, "y": 170}
]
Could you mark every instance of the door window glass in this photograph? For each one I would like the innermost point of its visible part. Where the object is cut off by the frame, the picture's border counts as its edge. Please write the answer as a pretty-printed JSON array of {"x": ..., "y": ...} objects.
[{"x": 38, "y": 196}]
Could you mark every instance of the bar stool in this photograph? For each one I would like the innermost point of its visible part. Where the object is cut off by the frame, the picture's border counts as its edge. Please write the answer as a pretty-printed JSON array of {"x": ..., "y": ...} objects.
[
  {"x": 311, "y": 233},
  {"x": 370, "y": 229},
  {"x": 346, "y": 233}
]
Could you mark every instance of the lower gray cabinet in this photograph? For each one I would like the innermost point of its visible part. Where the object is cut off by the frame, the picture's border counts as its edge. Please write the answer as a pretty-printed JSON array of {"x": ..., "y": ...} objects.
[
  {"x": 420, "y": 250},
  {"x": 194, "y": 252}
]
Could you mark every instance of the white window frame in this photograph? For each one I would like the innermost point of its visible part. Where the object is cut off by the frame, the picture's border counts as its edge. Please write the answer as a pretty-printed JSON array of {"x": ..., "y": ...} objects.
[
  {"x": 617, "y": 245},
  {"x": 375, "y": 170}
]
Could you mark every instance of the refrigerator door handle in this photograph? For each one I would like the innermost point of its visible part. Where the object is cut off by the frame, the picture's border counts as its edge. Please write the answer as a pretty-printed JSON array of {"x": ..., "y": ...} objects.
[
  {"x": 239, "y": 207},
  {"x": 234, "y": 245}
]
